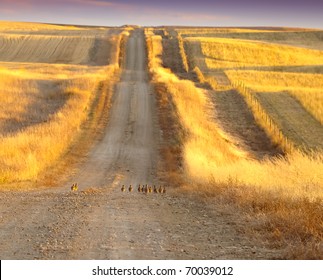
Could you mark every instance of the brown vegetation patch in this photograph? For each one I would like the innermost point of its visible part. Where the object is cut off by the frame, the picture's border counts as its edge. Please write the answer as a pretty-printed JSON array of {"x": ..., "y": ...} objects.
[{"x": 294, "y": 225}]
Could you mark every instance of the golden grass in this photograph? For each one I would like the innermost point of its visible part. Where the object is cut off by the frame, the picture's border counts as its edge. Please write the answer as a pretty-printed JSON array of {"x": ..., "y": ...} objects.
[
  {"x": 300, "y": 38},
  {"x": 30, "y": 26},
  {"x": 49, "y": 83},
  {"x": 187, "y": 32},
  {"x": 154, "y": 44},
  {"x": 264, "y": 118},
  {"x": 307, "y": 88},
  {"x": 270, "y": 97},
  {"x": 283, "y": 81},
  {"x": 277, "y": 190},
  {"x": 197, "y": 122},
  {"x": 224, "y": 53},
  {"x": 209, "y": 155},
  {"x": 28, "y": 151},
  {"x": 50, "y": 49},
  {"x": 82, "y": 48},
  {"x": 278, "y": 81},
  {"x": 295, "y": 177},
  {"x": 228, "y": 54},
  {"x": 208, "y": 152},
  {"x": 204, "y": 79}
]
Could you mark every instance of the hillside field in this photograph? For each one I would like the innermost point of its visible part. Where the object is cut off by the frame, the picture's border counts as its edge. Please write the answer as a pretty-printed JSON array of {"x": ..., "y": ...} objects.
[
  {"x": 276, "y": 76},
  {"x": 50, "y": 76}
]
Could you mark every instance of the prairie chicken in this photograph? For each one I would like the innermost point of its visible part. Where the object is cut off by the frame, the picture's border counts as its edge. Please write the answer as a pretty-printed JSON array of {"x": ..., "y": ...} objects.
[
  {"x": 150, "y": 189},
  {"x": 164, "y": 190},
  {"x": 160, "y": 189},
  {"x": 146, "y": 189},
  {"x": 74, "y": 187},
  {"x": 130, "y": 188},
  {"x": 123, "y": 188},
  {"x": 155, "y": 189},
  {"x": 140, "y": 189}
]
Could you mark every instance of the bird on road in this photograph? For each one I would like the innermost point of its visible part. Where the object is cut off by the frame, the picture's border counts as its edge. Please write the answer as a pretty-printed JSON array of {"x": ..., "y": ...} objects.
[
  {"x": 123, "y": 188},
  {"x": 74, "y": 187}
]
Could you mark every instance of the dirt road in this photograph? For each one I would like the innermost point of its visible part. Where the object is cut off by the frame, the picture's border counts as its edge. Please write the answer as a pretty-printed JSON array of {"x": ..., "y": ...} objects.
[{"x": 101, "y": 222}]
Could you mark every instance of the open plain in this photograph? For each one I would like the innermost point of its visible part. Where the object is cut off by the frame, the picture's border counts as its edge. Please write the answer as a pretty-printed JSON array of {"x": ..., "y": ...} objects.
[{"x": 228, "y": 120}]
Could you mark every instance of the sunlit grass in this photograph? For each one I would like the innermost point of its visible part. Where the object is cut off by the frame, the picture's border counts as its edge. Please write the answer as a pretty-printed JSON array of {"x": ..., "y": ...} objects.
[
  {"x": 279, "y": 189},
  {"x": 225, "y": 53},
  {"x": 209, "y": 154},
  {"x": 49, "y": 79},
  {"x": 30, "y": 26},
  {"x": 305, "y": 87},
  {"x": 25, "y": 152}
]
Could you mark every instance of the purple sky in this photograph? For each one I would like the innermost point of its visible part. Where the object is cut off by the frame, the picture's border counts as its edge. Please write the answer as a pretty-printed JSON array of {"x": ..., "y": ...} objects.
[{"x": 293, "y": 13}]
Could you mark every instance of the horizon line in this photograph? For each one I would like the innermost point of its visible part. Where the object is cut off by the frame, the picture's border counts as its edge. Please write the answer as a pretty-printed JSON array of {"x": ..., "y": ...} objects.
[{"x": 163, "y": 26}]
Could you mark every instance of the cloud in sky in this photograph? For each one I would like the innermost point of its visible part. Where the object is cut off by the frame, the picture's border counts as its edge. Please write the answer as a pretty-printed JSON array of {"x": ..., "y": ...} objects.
[{"x": 167, "y": 12}]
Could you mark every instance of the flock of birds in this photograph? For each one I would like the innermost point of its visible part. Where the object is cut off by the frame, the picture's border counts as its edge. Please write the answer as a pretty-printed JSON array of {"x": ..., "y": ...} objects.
[
  {"x": 141, "y": 188},
  {"x": 145, "y": 189}
]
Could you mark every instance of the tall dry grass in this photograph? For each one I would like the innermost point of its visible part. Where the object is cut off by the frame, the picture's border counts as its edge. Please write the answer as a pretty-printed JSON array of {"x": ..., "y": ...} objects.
[
  {"x": 204, "y": 79},
  {"x": 46, "y": 103},
  {"x": 27, "y": 152},
  {"x": 208, "y": 150},
  {"x": 277, "y": 190},
  {"x": 239, "y": 54},
  {"x": 204, "y": 158},
  {"x": 154, "y": 45}
]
